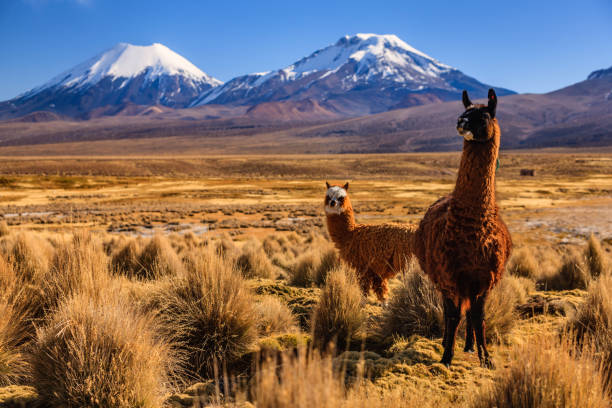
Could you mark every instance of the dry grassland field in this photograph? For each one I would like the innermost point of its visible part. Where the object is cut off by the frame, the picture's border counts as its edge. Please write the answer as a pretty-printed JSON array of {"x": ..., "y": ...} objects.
[{"x": 211, "y": 281}]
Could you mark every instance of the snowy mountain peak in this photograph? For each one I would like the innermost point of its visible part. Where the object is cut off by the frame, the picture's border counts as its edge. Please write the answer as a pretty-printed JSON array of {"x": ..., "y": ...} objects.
[
  {"x": 382, "y": 56},
  {"x": 355, "y": 61},
  {"x": 128, "y": 61}
]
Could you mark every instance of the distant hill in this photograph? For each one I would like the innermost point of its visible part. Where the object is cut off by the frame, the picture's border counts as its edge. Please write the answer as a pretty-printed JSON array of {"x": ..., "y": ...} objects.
[{"x": 579, "y": 115}]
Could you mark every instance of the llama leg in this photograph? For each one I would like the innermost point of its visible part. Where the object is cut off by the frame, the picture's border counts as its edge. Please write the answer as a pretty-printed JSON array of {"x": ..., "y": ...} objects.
[
  {"x": 365, "y": 283},
  {"x": 452, "y": 315},
  {"x": 381, "y": 289},
  {"x": 479, "y": 329},
  {"x": 469, "y": 333}
]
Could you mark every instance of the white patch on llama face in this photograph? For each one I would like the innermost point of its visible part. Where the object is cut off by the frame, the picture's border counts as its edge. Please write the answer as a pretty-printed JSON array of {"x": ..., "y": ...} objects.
[
  {"x": 466, "y": 134},
  {"x": 334, "y": 193}
]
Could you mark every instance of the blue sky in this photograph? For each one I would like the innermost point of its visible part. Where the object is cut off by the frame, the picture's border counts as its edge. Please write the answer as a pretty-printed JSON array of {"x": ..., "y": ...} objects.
[{"x": 527, "y": 46}]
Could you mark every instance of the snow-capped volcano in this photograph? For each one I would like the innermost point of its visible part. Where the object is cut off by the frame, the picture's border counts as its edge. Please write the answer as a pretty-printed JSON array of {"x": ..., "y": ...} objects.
[
  {"x": 364, "y": 73},
  {"x": 124, "y": 74}
]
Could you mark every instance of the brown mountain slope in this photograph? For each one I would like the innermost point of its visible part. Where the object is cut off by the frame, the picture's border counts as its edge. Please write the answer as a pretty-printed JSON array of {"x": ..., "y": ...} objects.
[{"x": 579, "y": 115}]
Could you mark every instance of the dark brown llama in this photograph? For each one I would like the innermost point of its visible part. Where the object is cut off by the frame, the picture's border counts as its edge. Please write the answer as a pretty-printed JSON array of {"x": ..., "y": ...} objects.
[{"x": 462, "y": 243}]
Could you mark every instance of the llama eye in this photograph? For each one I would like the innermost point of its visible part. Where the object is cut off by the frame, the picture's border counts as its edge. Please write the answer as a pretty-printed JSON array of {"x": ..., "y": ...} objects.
[{"x": 341, "y": 200}]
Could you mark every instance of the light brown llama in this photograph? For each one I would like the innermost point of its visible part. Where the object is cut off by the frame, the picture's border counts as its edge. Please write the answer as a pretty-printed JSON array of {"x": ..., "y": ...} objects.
[
  {"x": 462, "y": 243},
  {"x": 377, "y": 252}
]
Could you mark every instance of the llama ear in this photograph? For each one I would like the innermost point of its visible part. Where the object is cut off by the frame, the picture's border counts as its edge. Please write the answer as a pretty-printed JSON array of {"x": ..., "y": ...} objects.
[
  {"x": 327, "y": 185},
  {"x": 492, "y": 102},
  {"x": 466, "y": 99},
  {"x": 345, "y": 186}
]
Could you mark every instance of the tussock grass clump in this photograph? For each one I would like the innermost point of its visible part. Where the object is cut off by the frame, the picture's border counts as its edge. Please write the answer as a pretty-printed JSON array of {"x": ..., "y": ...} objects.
[
  {"x": 158, "y": 258},
  {"x": 4, "y": 229},
  {"x": 30, "y": 255},
  {"x": 310, "y": 380},
  {"x": 79, "y": 265},
  {"x": 274, "y": 317},
  {"x": 312, "y": 267},
  {"x": 303, "y": 270},
  {"x": 126, "y": 261},
  {"x": 339, "y": 315},
  {"x": 415, "y": 307},
  {"x": 209, "y": 311},
  {"x": 572, "y": 274},
  {"x": 14, "y": 331},
  {"x": 253, "y": 261},
  {"x": 544, "y": 374},
  {"x": 225, "y": 247},
  {"x": 592, "y": 323},
  {"x": 523, "y": 264},
  {"x": 500, "y": 307},
  {"x": 99, "y": 352},
  {"x": 595, "y": 257}
]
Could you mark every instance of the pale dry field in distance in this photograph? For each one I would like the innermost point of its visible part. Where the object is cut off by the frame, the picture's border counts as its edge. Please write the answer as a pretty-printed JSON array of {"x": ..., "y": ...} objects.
[{"x": 223, "y": 266}]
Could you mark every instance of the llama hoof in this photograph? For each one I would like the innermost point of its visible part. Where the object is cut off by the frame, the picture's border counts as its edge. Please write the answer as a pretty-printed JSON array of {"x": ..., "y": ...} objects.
[
  {"x": 469, "y": 349},
  {"x": 446, "y": 362}
]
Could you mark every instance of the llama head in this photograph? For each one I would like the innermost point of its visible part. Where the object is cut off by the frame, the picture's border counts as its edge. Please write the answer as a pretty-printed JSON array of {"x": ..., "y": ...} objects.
[
  {"x": 477, "y": 122},
  {"x": 336, "y": 199}
]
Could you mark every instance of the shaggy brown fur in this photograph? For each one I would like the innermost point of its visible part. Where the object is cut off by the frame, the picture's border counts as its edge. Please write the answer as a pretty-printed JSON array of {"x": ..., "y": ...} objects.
[
  {"x": 377, "y": 252},
  {"x": 462, "y": 243}
]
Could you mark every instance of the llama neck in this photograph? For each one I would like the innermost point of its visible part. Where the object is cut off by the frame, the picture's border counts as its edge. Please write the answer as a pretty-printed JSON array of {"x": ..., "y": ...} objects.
[
  {"x": 475, "y": 187},
  {"x": 340, "y": 226}
]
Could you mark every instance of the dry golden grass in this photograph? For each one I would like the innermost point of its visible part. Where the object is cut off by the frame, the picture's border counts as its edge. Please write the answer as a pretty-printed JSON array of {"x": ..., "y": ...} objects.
[
  {"x": 208, "y": 311},
  {"x": 415, "y": 307},
  {"x": 592, "y": 324},
  {"x": 203, "y": 308},
  {"x": 596, "y": 259},
  {"x": 310, "y": 380},
  {"x": 339, "y": 315},
  {"x": 543, "y": 373},
  {"x": 522, "y": 263},
  {"x": 14, "y": 333},
  {"x": 126, "y": 260},
  {"x": 158, "y": 258},
  {"x": 573, "y": 273},
  {"x": 97, "y": 351},
  {"x": 253, "y": 261},
  {"x": 274, "y": 317}
]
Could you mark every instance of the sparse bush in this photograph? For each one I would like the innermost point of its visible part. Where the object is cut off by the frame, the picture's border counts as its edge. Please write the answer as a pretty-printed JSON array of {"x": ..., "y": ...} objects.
[
  {"x": 273, "y": 317},
  {"x": 303, "y": 270},
  {"x": 313, "y": 266},
  {"x": 126, "y": 261},
  {"x": 30, "y": 256},
  {"x": 415, "y": 307},
  {"x": 4, "y": 229},
  {"x": 208, "y": 310},
  {"x": 328, "y": 261},
  {"x": 96, "y": 351},
  {"x": 572, "y": 274},
  {"x": 592, "y": 323},
  {"x": 544, "y": 374},
  {"x": 523, "y": 264},
  {"x": 339, "y": 314},
  {"x": 79, "y": 265},
  {"x": 158, "y": 258},
  {"x": 254, "y": 263},
  {"x": 310, "y": 380},
  {"x": 14, "y": 330},
  {"x": 595, "y": 257},
  {"x": 225, "y": 247}
]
